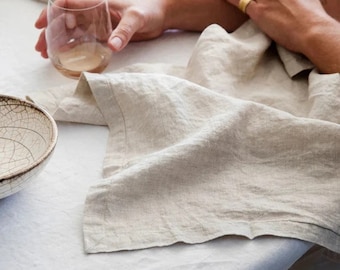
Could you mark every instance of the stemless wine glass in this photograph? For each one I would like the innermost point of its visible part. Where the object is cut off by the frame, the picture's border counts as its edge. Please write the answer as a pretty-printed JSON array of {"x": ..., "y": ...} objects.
[{"x": 77, "y": 34}]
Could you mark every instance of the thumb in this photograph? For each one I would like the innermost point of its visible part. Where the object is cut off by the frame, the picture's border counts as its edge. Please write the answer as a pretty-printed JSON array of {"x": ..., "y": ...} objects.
[
  {"x": 116, "y": 43},
  {"x": 130, "y": 23}
]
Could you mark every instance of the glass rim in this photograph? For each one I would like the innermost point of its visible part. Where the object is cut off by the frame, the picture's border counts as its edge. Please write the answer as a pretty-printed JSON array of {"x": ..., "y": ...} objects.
[{"x": 52, "y": 3}]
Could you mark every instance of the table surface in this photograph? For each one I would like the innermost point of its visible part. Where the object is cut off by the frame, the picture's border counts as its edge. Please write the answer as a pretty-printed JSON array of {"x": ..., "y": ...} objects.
[{"x": 41, "y": 226}]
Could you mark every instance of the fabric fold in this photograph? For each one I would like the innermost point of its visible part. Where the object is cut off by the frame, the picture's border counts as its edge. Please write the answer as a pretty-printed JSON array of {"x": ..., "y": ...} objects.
[
  {"x": 215, "y": 166},
  {"x": 238, "y": 142}
]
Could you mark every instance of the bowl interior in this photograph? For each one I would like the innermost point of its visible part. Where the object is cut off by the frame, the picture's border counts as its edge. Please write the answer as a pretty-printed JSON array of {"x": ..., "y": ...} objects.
[{"x": 27, "y": 136}]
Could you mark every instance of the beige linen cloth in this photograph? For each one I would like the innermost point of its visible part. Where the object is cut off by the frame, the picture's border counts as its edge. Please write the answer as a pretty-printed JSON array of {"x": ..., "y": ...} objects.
[{"x": 241, "y": 141}]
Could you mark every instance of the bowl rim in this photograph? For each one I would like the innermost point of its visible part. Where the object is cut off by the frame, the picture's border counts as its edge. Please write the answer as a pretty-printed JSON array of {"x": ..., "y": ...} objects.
[{"x": 47, "y": 152}]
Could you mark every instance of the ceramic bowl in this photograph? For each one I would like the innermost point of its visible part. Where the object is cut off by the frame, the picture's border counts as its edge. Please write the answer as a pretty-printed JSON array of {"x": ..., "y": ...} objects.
[{"x": 28, "y": 135}]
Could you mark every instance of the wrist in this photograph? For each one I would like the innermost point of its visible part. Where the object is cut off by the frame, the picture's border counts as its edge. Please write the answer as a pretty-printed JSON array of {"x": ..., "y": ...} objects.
[
  {"x": 320, "y": 44},
  {"x": 196, "y": 15},
  {"x": 170, "y": 13},
  {"x": 180, "y": 14}
]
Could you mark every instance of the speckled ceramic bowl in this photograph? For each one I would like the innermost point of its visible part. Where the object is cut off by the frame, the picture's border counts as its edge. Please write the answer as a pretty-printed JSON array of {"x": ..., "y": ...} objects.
[{"x": 28, "y": 136}]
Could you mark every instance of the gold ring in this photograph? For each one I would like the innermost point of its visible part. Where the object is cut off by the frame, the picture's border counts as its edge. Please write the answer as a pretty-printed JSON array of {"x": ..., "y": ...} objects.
[{"x": 243, "y": 5}]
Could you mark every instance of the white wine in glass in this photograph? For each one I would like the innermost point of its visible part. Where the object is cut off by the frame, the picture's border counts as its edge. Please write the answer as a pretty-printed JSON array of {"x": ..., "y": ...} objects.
[{"x": 77, "y": 35}]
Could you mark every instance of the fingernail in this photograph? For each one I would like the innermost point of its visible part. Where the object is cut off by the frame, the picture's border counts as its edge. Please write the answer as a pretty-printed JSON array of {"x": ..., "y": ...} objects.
[
  {"x": 70, "y": 21},
  {"x": 116, "y": 43}
]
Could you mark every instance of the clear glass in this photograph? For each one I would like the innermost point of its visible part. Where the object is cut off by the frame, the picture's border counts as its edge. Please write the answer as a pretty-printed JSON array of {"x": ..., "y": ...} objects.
[{"x": 77, "y": 35}]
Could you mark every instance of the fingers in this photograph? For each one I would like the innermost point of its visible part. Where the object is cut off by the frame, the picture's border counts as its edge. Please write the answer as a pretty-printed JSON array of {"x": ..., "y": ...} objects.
[
  {"x": 57, "y": 32},
  {"x": 249, "y": 8},
  {"x": 41, "y": 22},
  {"x": 41, "y": 45},
  {"x": 131, "y": 22},
  {"x": 70, "y": 21}
]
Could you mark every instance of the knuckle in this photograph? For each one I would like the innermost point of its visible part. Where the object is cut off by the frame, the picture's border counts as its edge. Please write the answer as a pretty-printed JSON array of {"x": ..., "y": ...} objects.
[
  {"x": 135, "y": 20},
  {"x": 125, "y": 30},
  {"x": 137, "y": 14}
]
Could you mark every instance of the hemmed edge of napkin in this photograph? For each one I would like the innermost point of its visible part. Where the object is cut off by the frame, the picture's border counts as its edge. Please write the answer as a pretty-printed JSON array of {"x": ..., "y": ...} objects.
[
  {"x": 116, "y": 146},
  {"x": 99, "y": 238},
  {"x": 109, "y": 242}
]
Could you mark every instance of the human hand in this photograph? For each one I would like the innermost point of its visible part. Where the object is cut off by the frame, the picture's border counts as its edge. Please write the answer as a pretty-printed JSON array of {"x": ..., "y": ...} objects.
[
  {"x": 310, "y": 27},
  {"x": 131, "y": 20},
  {"x": 287, "y": 22}
]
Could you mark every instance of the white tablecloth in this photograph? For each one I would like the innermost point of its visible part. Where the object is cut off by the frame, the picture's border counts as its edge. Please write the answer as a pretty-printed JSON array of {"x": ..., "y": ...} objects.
[{"x": 41, "y": 226}]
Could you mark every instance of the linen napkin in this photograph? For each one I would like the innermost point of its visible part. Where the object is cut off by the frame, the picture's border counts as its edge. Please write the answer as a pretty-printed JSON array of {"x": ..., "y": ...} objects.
[{"x": 239, "y": 142}]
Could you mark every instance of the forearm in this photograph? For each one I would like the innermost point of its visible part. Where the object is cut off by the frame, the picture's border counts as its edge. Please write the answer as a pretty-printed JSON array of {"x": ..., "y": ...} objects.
[
  {"x": 322, "y": 46},
  {"x": 195, "y": 15}
]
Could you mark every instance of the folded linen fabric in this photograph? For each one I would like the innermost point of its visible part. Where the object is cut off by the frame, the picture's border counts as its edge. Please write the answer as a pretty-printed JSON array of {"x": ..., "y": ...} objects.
[{"x": 239, "y": 142}]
